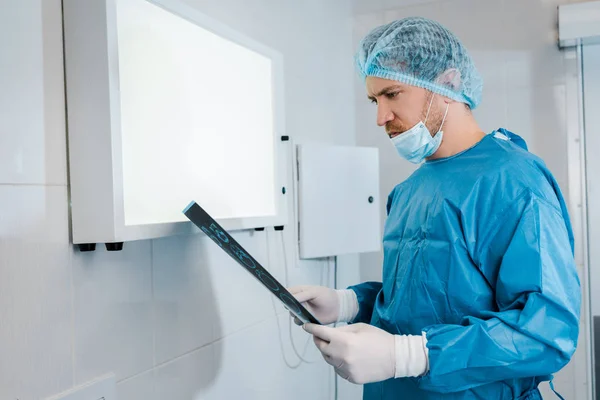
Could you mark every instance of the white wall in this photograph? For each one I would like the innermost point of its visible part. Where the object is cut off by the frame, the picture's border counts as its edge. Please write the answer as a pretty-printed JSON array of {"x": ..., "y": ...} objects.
[
  {"x": 513, "y": 43},
  {"x": 172, "y": 318}
]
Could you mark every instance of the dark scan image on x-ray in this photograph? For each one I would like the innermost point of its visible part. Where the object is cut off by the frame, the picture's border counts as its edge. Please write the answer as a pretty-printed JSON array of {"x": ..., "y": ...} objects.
[{"x": 213, "y": 230}]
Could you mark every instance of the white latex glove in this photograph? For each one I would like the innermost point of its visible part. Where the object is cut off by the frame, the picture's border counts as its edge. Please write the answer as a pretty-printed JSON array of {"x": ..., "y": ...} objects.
[
  {"x": 320, "y": 301},
  {"x": 362, "y": 353},
  {"x": 327, "y": 305}
]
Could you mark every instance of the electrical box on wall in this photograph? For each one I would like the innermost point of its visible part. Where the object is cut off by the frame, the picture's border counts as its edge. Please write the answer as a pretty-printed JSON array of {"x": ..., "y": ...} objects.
[
  {"x": 579, "y": 23},
  {"x": 152, "y": 86},
  {"x": 338, "y": 205}
]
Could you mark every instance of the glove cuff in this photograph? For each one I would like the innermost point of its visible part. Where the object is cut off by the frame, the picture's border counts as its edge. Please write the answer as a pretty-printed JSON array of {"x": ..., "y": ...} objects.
[
  {"x": 348, "y": 309},
  {"x": 412, "y": 355}
]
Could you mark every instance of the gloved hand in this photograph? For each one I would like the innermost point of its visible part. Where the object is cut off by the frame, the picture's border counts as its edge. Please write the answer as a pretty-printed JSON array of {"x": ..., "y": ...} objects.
[
  {"x": 327, "y": 305},
  {"x": 362, "y": 353},
  {"x": 320, "y": 301}
]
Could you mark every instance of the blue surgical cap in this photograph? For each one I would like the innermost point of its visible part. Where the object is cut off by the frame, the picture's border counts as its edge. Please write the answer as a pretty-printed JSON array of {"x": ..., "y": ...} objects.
[{"x": 421, "y": 52}]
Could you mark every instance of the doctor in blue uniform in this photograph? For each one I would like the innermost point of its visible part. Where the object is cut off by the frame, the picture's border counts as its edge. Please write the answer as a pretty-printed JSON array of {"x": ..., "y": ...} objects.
[{"x": 479, "y": 297}]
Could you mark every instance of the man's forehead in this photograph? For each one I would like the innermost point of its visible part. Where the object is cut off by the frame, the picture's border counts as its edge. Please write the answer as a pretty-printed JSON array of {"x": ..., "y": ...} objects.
[{"x": 375, "y": 86}]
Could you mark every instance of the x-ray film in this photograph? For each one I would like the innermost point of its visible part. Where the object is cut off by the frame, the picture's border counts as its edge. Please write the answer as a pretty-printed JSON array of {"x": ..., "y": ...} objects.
[{"x": 213, "y": 230}]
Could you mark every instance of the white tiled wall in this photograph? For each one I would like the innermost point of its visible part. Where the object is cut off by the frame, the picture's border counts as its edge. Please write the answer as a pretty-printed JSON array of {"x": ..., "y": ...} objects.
[
  {"x": 36, "y": 317},
  {"x": 112, "y": 297},
  {"x": 513, "y": 43},
  {"x": 173, "y": 318},
  {"x": 32, "y": 103}
]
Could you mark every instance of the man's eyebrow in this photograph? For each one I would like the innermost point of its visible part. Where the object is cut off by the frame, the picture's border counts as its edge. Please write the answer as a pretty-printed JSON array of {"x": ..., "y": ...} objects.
[{"x": 385, "y": 90}]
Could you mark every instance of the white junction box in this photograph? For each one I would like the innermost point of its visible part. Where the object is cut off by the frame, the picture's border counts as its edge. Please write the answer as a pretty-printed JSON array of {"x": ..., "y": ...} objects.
[
  {"x": 579, "y": 23},
  {"x": 338, "y": 205}
]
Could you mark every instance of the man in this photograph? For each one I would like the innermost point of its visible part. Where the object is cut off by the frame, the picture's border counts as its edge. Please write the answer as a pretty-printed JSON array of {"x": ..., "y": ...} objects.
[{"x": 480, "y": 296}]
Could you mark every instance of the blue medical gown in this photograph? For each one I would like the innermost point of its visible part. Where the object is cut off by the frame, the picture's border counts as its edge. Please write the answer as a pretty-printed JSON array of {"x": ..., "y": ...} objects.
[{"x": 478, "y": 254}]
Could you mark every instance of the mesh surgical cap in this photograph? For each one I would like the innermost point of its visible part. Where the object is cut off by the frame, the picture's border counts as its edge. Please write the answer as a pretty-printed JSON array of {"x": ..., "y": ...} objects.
[{"x": 421, "y": 52}]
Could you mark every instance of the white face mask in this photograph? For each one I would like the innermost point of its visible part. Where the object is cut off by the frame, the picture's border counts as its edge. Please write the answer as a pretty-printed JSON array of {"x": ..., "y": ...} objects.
[{"x": 416, "y": 144}]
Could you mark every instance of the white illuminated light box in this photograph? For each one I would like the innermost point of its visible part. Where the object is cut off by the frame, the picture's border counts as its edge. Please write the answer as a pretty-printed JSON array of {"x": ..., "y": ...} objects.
[{"x": 166, "y": 106}]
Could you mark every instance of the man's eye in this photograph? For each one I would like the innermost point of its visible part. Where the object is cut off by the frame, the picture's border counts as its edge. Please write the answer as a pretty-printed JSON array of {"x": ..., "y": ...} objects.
[
  {"x": 374, "y": 101},
  {"x": 391, "y": 95}
]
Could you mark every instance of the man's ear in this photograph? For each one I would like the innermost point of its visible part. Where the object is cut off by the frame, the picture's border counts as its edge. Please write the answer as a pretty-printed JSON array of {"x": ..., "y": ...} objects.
[{"x": 450, "y": 78}]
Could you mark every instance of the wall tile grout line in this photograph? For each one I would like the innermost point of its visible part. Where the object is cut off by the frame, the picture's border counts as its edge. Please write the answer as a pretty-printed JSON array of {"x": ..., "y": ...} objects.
[
  {"x": 34, "y": 184},
  {"x": 196, "y": 349}
]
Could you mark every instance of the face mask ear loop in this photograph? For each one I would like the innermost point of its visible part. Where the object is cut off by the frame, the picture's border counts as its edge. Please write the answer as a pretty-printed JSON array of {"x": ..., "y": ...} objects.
[
  {"x": 444, "y": 119},
  {"x": 429, "y": 109}
]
